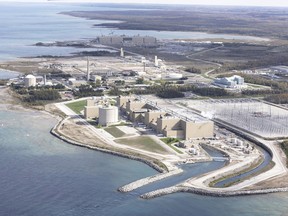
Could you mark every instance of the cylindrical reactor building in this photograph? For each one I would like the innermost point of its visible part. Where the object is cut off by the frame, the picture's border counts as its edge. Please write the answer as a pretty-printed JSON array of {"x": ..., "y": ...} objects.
[
  {"x": 30, "y": 80},
  {"x": 108, "y": 115}
]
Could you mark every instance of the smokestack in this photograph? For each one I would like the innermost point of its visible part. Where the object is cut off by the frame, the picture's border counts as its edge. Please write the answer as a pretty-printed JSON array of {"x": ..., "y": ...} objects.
[
  {"x": 45, "y": 81},
  {"x": 122, "y": 52},
  {"x": 88, "y": 69},
  {"x": 156, "y": 61}
]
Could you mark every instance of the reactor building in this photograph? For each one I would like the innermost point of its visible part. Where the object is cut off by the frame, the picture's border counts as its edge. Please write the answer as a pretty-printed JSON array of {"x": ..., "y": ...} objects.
[
  {"x": 30, "y": 80},
  {"x": 163, "y": 122},
  {"x": 102, "y": 110}
]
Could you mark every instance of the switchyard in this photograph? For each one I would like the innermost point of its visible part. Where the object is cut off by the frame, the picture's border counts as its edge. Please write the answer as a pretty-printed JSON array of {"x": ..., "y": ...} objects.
[{"x": 262, "y": 119}]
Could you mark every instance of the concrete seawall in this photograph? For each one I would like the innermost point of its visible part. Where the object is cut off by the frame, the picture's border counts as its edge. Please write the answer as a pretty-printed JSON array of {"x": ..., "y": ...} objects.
[
  {"x": 142, "y": 182},
  {"x": 150, "y": 163},
  {"x": 179, "y": 188}
]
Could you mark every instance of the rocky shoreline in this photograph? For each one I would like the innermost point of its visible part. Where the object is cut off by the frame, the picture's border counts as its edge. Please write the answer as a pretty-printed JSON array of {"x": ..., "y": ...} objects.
[{"x": 164, "y": 173}]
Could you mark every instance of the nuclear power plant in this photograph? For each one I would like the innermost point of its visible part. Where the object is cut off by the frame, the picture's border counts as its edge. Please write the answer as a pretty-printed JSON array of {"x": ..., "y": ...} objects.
[
  {"x": 163, "y": 121},
  {"x": 146, "y": 41}
]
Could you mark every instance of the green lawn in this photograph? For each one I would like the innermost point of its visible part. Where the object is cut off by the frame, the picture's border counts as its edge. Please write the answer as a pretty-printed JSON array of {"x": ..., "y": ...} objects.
[
  {"x": 114, "y": 131},
  {"x": 144, "y": 143},
  {"x": 77, "y": 106},
  {"x": 169, "y": 141}
]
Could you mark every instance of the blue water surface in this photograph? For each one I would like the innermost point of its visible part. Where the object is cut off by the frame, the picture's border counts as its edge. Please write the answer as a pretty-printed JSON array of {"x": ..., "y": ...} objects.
[{"x": 41, "y": 175}]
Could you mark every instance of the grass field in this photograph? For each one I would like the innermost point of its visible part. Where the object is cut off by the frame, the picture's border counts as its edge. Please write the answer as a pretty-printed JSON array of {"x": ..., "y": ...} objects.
[
  {"x": 77, "y": 106},
  {"x": 144, "y": 143},
  {"x": 114, "y": 131},
  {"x": 169, "y": 141}
]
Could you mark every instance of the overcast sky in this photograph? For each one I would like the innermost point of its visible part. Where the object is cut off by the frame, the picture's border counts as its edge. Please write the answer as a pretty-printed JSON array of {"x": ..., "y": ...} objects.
[{"x": 280, "y": 3}]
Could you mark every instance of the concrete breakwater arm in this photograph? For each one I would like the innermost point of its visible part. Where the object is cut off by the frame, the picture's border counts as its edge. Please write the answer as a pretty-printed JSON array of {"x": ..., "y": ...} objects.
[
  {"x": 142, "y": 182},
  {"x": 181, "y": 188}
]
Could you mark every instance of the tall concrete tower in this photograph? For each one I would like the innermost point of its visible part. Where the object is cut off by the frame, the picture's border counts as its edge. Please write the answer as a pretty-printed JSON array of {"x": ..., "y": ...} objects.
[
  {"x": 45, "y": 79},
  {"x": 88, "y": 69},
  {"x": 122, "y": 52},
  {"x": 156, "y": 62}
]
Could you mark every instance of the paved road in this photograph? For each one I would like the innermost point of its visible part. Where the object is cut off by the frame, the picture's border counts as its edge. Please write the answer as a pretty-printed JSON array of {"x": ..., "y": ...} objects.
[{"x": 206, "y": 74}]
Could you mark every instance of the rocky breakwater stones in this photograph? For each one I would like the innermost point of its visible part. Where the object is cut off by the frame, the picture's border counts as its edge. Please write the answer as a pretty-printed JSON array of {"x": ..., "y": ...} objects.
[{"x": 141, "y": 182}]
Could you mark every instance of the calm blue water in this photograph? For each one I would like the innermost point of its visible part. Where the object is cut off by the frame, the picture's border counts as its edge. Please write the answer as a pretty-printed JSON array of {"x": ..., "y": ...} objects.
[
  {"x": 7, "y": 74},
  {"x": 24, "y": 24},
  {"x": 267, "y": 160},
  {"x": 40, "y": 175}
]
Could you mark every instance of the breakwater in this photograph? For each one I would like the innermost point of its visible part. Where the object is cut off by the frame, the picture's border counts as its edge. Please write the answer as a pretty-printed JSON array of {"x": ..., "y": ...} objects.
[
  {"x": 153, "y": 163},
  {"x": 179, "y": 188},
  {"x": 142, "y": 182}
]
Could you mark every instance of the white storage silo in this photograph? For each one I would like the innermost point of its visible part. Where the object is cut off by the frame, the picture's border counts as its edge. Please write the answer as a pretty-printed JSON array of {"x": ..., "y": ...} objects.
[
  {"x": 108, "y": 115},
  {"x": 30, "y": 80}
]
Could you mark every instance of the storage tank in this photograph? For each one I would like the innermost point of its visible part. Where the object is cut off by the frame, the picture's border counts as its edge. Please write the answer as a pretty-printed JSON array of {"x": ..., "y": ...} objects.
[
  {"x": 108, "y": 115},
  {"x": 30, "y": 80}
]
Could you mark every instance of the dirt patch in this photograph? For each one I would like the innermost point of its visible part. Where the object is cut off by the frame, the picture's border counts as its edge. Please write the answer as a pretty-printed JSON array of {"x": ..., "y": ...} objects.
[
  {"x": 272, "y": 183},
  {"x": 79, "y": 133}
]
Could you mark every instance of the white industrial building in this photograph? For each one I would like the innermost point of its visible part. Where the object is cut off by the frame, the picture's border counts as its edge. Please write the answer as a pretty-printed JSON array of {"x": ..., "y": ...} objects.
[
  {"x": 108, "y": 115},
  {"x": 230, "y": 82},
  {"x": 101, "y": 109},
  {"x": 30, "y": 80},
  {"x": 171, "y": 76}
]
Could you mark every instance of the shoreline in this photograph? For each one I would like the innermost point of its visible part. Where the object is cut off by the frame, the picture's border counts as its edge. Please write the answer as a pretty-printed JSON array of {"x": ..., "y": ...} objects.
[
  {"x": 179, "y": 188},
  {"x": 108, "y": 150},
  {"x": 163, "y": 173},
  {"x": 182, "y": 187}
]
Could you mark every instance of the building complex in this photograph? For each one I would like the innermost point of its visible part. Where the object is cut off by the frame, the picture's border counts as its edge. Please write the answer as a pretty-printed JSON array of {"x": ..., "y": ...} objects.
[
  {"x": 230, "y": 82},
  {"x": 164, "y": 122}
]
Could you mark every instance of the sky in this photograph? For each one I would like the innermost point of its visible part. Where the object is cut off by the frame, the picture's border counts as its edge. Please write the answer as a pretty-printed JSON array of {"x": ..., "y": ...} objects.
[{"x": 277, "y": 3}]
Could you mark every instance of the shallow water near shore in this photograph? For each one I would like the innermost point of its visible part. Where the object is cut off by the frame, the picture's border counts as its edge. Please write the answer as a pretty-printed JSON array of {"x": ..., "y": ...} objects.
[{"x": 41, "y": 175}]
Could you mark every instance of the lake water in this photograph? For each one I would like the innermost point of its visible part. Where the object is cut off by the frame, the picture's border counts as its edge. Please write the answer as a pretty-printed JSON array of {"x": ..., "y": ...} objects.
[{"x": 41, "y": 175}]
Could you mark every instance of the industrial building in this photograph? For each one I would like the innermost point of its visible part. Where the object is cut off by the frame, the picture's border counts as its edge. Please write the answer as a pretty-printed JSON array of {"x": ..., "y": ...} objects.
[
  {"x": 127, "y": 40},
  {"x": 230, "y": 82},
  {"x": 162, "y": 122},
  {"x": 101, "y": 109},
  {"x": 171, "y": 76},
  {"x": 108, "y": 115},
  {"x": 30, "y": 80},
  {"x": 134, "y": 109}
]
